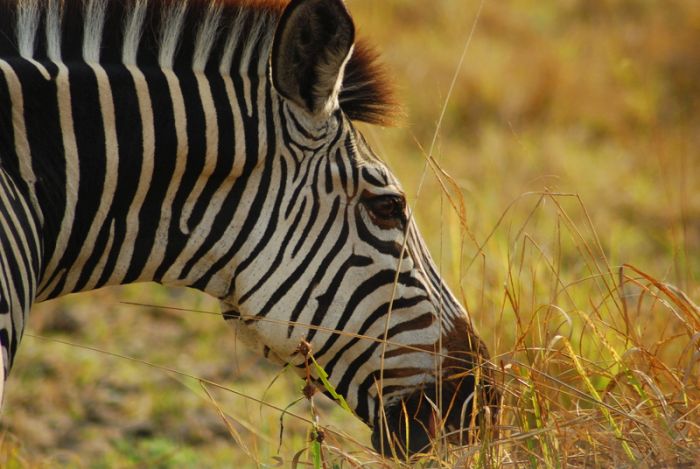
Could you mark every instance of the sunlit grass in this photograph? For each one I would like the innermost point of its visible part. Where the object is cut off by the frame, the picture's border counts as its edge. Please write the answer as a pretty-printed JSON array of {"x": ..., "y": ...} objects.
[{"x": 569, "y": 227}]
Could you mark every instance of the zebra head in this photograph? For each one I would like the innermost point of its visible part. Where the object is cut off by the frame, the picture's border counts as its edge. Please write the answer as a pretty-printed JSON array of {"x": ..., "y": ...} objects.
[{"x": 339, "y": 263}]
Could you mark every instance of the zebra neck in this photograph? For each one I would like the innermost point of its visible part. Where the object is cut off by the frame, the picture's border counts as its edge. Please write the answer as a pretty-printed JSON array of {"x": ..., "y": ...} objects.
[
  {"x": 157, "y": 172},
  {"x": 131, "y": 137}
]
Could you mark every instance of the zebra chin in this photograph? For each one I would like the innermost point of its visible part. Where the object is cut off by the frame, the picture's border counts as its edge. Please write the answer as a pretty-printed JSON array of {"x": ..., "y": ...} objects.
[{"x": 414, "y": 426}]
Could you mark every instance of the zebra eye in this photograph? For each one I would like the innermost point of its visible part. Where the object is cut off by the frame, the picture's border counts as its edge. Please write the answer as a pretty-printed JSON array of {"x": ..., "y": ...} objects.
[{"x": 387, "y": 211}]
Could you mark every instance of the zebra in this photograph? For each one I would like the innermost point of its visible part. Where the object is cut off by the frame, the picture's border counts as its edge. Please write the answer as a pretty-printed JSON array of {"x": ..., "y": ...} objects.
[{"x": 210, "y": 144}]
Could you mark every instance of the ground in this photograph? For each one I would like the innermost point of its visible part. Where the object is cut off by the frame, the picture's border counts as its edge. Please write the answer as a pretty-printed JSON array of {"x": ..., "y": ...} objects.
[{"x": 569, "y": 224}]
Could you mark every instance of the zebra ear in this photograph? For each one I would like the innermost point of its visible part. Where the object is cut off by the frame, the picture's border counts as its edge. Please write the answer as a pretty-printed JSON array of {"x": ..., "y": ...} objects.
[{"x": 313, "y": 42}]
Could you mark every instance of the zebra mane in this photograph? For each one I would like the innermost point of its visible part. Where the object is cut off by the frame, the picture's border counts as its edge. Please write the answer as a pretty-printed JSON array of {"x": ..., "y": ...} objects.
[{"x": 200, "y": 35}]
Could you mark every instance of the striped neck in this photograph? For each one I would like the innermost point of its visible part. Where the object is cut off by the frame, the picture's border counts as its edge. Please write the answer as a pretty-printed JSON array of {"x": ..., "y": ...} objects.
[{"x": 142, "y": 154}]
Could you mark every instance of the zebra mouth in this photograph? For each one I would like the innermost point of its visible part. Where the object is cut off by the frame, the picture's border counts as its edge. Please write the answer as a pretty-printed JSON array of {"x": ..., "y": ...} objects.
[
  {"x": 407, "y": 427},
  {"x": 414, "y": 423}
]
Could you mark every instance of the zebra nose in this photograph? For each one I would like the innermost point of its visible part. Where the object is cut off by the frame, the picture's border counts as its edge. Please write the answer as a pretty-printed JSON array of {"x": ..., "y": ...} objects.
[
  {"x": 407, "y": 427},
  {"x": 412, "y": 425}
]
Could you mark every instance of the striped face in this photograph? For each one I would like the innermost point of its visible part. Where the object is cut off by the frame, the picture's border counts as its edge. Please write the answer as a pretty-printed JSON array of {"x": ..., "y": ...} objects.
[{"x": 344, "y": 269}]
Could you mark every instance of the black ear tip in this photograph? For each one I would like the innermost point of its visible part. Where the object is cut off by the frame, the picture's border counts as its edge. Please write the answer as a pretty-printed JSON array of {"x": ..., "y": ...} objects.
[
  {"x": 330, "y": 7},
  {"x": 331, "y": 16}
]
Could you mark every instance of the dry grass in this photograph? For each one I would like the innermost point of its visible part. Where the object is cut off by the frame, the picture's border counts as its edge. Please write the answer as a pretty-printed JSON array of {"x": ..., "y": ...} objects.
[{"x": 569, "y": 225}]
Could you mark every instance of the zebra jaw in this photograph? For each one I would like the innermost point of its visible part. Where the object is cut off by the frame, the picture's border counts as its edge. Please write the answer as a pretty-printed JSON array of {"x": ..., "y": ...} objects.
[
  {"x": 411, "y": 422},
  {"x": 248, "y": 335}
]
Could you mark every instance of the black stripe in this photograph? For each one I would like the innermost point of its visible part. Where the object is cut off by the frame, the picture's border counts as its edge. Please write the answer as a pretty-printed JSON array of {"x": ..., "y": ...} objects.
[
  {"x": 72, "y": 20},
  {"x": 8, "y": 156},
  {"x": 16, "y": 263},
  {"x": 271, "y": 225},
  {"x": 340, "y": 164},
  {"x": 163, "y": 168},
  {"x": 314, "y": 209},
  {"x": 113, "y": 32},
  {"x": 194, "y": 164},
  {"x": 229, "y": 208},
  {"x": 301, "y": 183},
  {"x": 376, "y": 315},
  {"x": 298, "y": 272},
  {"x": 224, "y": 148},
  {"x": 390, "y": 248},
  {"x": 363, "y": 396},
  {"x": 129, "y": 131},
  {"x": 90, "y": 140},
  {"x": 366, "y": 288},
  {"x": 350, "y": 373},
  {"x": 322, "y": 269},
  {"x": 8, "y": 42},
  {"x": 224, "y": 165},
  {"x": 276, "y": 263},
  {"x": 369, "y": 177},
  {"x": 45, "y": 137},
  {"x": 325, "y": 299}
]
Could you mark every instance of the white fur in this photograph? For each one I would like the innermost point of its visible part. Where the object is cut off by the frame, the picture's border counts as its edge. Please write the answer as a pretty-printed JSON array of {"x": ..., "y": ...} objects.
[
  {"x": 93, "y": 26},
  {"x": 232, "y": 41},
  {"x": 53, "y": 30},
  {"x": 326, "y": 74},
  {"x": 133, "y": 28},
  {"x": 27, "y": 25},
  {"x": 206, "y": 36},
  {"x": 170, "y": 30}
]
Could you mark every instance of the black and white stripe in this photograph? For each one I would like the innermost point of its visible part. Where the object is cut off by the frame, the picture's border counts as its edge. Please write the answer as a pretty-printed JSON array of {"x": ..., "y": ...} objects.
[{"x": 210, "y": 145}]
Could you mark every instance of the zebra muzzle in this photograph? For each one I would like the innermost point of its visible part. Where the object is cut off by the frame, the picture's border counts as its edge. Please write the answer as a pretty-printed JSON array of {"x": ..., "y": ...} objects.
[
  {"x": 417, "y": 421},
  {"x": 407, "y": 427}
]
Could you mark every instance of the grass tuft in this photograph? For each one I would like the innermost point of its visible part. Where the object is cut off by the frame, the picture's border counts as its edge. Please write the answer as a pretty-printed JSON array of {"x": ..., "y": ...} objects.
[{"x": 559, "y": 198}]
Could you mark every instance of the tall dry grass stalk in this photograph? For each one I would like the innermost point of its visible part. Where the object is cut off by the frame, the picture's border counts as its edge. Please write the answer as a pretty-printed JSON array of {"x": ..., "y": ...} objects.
[{"x": 597, "y": 359}]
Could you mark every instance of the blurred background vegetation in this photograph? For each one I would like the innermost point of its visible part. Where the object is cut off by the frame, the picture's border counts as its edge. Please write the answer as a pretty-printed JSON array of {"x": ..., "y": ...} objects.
[{"x": 593, "y": 103}]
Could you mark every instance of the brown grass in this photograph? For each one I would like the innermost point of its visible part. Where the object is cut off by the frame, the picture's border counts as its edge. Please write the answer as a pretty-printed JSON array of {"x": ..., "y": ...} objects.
[{"x": 559, "y": 197}]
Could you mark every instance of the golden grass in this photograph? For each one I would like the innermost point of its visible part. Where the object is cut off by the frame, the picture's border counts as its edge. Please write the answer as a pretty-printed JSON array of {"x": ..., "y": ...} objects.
[{"x": 560, "y": 199}]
